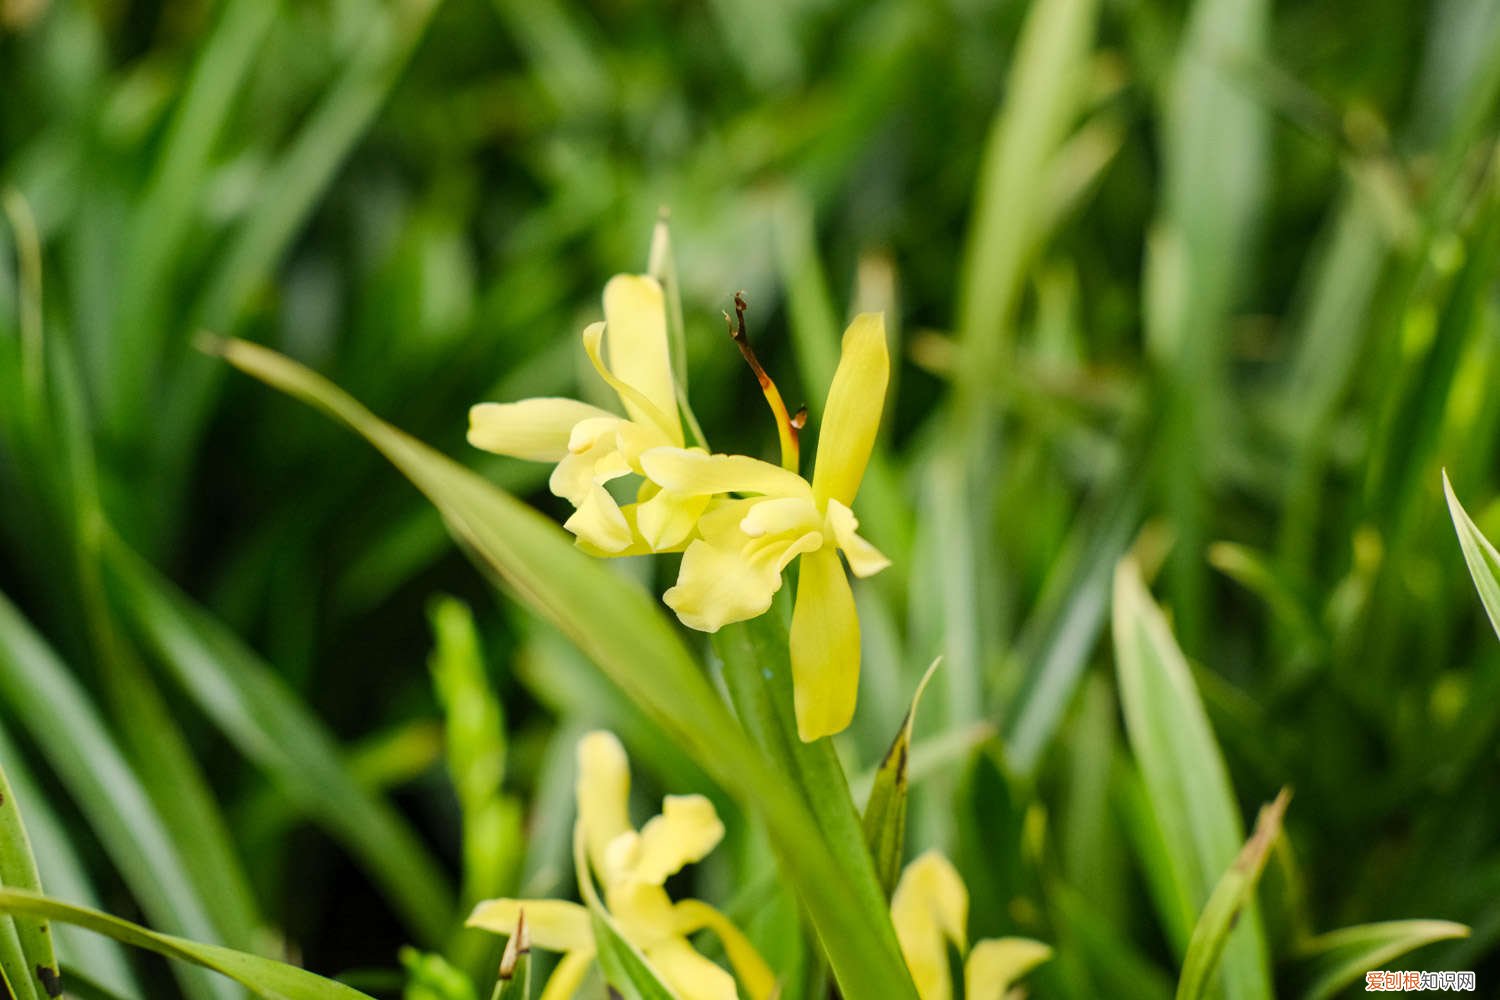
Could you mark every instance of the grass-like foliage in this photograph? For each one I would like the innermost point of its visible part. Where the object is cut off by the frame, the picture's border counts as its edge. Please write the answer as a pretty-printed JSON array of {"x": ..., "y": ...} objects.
[{"x": 1067, "y": 599}]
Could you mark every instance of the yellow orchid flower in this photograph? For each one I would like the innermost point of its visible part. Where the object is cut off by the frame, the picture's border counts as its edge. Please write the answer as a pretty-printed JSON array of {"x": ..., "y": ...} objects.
[
  {"x": 929, "y": 909},
  {"x": 592, "y": 446},
  {"x": 732, "y": 570},
  {"x": 632, "y": 865}
]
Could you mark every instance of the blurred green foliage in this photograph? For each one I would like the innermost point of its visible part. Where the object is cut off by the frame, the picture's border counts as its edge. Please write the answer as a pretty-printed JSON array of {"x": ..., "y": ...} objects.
[{"x": 1212, "y": 280}]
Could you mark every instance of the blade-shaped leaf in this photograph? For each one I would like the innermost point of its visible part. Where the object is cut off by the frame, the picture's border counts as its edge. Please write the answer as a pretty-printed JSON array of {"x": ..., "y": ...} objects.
[
  {"x": 1235, "y": 889},
  {"x": 1483, "y": 560},
  {"x": 625, "y": 968},
  {"x": 885, "y": 811},
  {"x": 1186, "y": 781},
  {"x": 272, "y": 727},
  {"x": 262, "y": 976},
  {"x": 1339, "y": 958},
  {"x": 626, "y": 634},
  {"x": 18, "y": 871}
]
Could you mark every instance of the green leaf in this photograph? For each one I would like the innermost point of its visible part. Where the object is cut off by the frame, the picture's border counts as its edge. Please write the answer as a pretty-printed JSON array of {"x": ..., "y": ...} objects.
[
  {"x": 627, "y": 635},
  {"x": 625, "y": 968},
  {"x": 18, "y": 871},
  {"x": 758, "y": 674},
  {"x": 1483, "y": 560},
  {"x": 885, "y": 810},
  {"x": 40, "y": 692},
  {"x": 1235, "y": 889},
  {"x": 1185, "y": 779},
  {"x": 1340, "y": 958},
  {"x": 272, "y": 727},
  {"x": 262, "y": 976}
]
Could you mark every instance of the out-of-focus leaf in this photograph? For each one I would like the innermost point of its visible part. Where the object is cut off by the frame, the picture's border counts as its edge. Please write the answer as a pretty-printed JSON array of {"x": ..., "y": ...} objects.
[
  {"x": 1339, "y": 958},
  {"x": 18, "y": 871},
  {"x": 1235, "y": 889},
  {"x": 262, "y": 976},
  {"x": 627, "y": 635},
  {"x": 1479, "y": 554},
  {"x": 41, "y": 692},
  {"x": 885, "y": 811},
  {"x": 430, "y": 977},
  {"x": 272, "y": 727},
  {"x": 1186, "y": 781}
]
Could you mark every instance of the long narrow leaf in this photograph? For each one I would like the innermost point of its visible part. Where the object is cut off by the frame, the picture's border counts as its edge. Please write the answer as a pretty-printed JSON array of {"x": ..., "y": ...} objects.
[
  {"x": 1186, "y": 781},
  {"x": 627, "y": 636},
  {"x": 1341, "y": 957},
  {"x": 272, "y": 727},
  {"x": 885, "y": 811},
  {"x": 18, "y": 871},
  {"x": 262, "y": 976},
  {"x": 1483, "y": 560}
]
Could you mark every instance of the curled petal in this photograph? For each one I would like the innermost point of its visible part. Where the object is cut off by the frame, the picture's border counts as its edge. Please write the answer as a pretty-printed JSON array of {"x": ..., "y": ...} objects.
[
  {"x": 599, "y": 522},
  {"x": 688, "y": 974},
  {"x": 603, "y": 792},
  {"x": 755, "y": 975},
  {"x": 635, "y": 316},
  {"x": 716, "y": 586},
  {"x": 852, "y": 414},
  {"x": 666, "y": 520},
  {"x": 553, "y": 924},
  {"x": 643, "y": 412},
  {"x": 864, "y": 558},
  {"x": 778, "y": 515},
  {"x": 684, "y": 471},
  {"x": 996, "y": 963},
  {"x": 824, "y": 647},
  {"x": 929, "y": 908},
  {"x": 535, "y": 429},
  {"x": 686, "y": 831}
]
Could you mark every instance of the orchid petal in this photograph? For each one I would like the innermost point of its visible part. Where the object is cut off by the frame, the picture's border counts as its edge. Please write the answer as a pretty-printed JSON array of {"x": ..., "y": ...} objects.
[
  {"x": 755, "y": 975},
  {"x": 599, "y": 522},
  {"x": 929, "y": 908},
  {"x": 716, "y": 586},
  {"x": 685, "y": 832},
  {"x": 684, "y": 471},
  {"x": 603, "y": 791},
  {"x": 666, "y": 520},
  {"x": 995, "y": 964},
  {"x": 852, "y": 414},
  {"x": 636, "y": 321},
  {"x": 864, "y": 558},
  {"x": 688, "y": 974},
  {"x": 552, "y": 924},
  {"x": 533, "y": 429},
  {"x": 824, "y": 647}
]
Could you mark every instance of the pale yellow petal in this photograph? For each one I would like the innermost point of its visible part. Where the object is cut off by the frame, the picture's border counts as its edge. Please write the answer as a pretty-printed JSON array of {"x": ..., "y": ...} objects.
[
  {"x": 754, "y": 974},
  {"x": 688, "y": 974},
  {"x": 642, "y": 410},
  {"x": 574, "y": 477},
  {"x": 683, "y": 471},
  {"x": 996, "y": 963},
  {"x": 603, "y": 792},
  {"x": 864, "y": 558},
  {"x": 568, "y": 976},
  {"x": 666, "y": 520},
  {"x": 852, "y": 414},
  {"x": 588, "y": 433},
  {"x": 777, "y": 515},
  {"x": 685, "y": 832},
  {"x": 636, "y": 320},
  {"x": 929, "y": 908},
  {"x": 599, "y": 522},
  {"x": 536, "y": 429},
  {"x": 552, "y": 924},
  {"x": 717, "y": 586},
  {"x": 642, "y": 911},
  {"x": 824, "y": 647}
]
